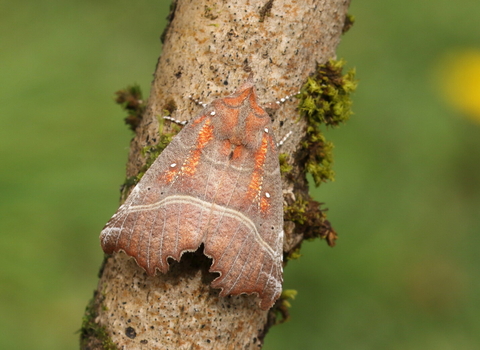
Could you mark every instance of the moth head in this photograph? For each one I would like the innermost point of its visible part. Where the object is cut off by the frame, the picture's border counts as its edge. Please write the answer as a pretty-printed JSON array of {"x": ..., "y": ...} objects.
[{"x": 239, "y": 117}]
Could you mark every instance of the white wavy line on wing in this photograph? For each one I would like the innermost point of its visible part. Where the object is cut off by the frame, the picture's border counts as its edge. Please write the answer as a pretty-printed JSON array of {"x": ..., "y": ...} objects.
[{"x": 228, "y": 212}]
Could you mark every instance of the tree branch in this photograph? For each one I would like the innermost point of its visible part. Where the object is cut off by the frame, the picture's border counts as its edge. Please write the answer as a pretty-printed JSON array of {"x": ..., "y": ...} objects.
[{"x": 210, "y": 47}]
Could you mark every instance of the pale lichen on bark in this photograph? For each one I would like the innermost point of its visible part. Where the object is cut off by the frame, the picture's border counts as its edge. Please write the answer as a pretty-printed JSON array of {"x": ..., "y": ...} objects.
[{"x": 209, "y": 50}]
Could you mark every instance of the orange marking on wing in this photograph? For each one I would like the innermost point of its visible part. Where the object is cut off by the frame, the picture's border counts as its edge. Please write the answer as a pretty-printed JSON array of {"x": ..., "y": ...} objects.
[
  {"x": 199, "y": 120},
  {"x": 237, "y": 152},
  {"x": 204, "y": 137},
  {"x": 264, "y": 205},
  {"x": 255, "y": 185},
  {"x": 169, "y": 175}
]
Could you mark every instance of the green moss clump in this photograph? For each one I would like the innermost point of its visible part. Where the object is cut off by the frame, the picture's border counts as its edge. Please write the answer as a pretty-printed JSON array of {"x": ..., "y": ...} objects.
[
  {"x": 169, "y": 107},
  {"x": 294, "y": 255},
  {"x": 319, "y": 158},
  {"x": 282, "y": 306},
  {"x": 91, "y": 332},
  {"x": 284, "y": 166},
  {"x": 288, "y": 294},
  {"x": 310, "y": 220},
  {"x": 132, "y": 102},
  {"x": 296, "y": 211},
  {"x": 324, "y": 100},
  {"x": 150, "y": 153},
  {"x": 349, "y": 21},
  {"x": 325, "y": 97}
]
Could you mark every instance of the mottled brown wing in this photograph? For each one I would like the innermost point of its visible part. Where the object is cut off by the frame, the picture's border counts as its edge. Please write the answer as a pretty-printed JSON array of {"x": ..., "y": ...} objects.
[
  {"x": 209, "y": 186},
  {"x": 245, "y": 237},
  {"x": 154, "y": 224}
]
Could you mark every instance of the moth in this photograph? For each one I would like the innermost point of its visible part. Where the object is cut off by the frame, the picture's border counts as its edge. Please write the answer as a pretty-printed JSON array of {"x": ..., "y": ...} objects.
[{"x": 218, "y": 184}]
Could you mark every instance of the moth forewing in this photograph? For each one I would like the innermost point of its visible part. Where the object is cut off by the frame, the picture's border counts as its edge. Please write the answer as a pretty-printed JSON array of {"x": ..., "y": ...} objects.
[{"x": 217, "y": 183}]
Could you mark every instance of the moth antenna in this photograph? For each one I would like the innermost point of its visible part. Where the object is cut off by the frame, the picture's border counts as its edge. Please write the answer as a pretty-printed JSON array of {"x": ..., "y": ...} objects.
[
  {"x": 198, "y": 102},
  {"x": 184, "y": 122},
  {"x": 276, "y": 105},
  {"x": 176, "y": 121},
  {"x": 282, "y": 141},
  {"x": 286, "y": 98}
]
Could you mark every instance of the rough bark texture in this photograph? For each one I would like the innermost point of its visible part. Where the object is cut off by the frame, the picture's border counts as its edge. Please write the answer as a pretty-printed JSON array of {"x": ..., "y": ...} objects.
[{"x": 209, "y": 50}]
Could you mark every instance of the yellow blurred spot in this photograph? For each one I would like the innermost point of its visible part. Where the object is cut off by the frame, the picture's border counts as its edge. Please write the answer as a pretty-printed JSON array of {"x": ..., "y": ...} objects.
[{"x": 459, "y": 76}]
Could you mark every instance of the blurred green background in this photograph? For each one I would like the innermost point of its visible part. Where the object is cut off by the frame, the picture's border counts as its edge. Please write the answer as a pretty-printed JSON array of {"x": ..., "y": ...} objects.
[{"x": 406, "y": 200}]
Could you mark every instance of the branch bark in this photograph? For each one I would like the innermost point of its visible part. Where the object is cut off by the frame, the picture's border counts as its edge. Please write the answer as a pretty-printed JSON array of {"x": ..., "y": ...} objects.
[{"x": 210, "y": 48}]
